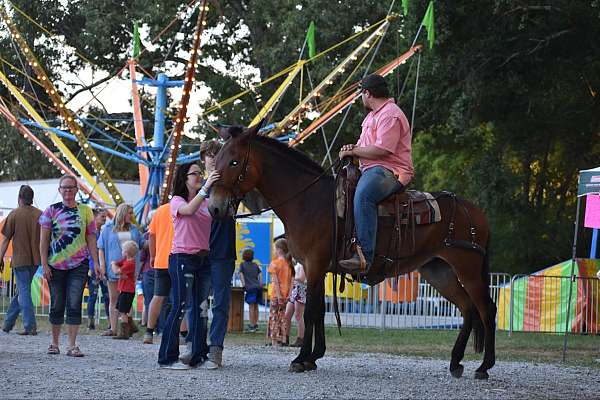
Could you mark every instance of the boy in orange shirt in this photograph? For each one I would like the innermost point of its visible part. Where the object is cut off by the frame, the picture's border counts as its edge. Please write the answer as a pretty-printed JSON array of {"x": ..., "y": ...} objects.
[
  {"x": 160, "y": 240},
  {"x": 126, "y": 270}
]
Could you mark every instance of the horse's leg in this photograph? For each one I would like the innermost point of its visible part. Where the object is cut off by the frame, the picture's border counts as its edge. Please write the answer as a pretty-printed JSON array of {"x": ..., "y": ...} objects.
[
  {"x": 477, "y": 286},
  {"x": 319, "y": 325},
  {"x": 299, "y": 364},
  {"x": 441, "y": 276}
]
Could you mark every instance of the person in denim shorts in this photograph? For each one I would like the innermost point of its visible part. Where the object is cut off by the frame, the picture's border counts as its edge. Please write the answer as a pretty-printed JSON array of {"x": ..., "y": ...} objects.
[{"x": 67, "y": 241}]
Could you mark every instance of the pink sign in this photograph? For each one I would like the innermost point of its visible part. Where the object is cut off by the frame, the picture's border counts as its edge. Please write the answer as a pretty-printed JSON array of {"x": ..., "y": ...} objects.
[{"x": 592, "y": 211}]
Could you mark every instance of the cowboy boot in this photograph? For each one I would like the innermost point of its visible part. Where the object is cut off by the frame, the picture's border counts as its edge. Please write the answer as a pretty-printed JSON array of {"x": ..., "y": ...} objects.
[
  {"x": 124, "y": 333},
  {"x": 357, "y": 264},
  {"x": 215, "y": 358},
  {"x": 133, "y": 327}
]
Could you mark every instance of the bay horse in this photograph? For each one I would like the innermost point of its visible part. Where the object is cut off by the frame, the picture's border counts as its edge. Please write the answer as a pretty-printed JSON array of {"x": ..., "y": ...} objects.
[{"x": 302, "y": 196}]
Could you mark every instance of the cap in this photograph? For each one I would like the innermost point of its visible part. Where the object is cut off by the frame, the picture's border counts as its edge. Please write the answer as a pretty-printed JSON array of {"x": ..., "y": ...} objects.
[{"x": 372, "y": 81}]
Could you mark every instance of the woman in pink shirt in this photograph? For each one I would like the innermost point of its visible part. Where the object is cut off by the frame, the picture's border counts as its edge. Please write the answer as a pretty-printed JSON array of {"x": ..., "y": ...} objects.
[{"x": 188, "y": 265}]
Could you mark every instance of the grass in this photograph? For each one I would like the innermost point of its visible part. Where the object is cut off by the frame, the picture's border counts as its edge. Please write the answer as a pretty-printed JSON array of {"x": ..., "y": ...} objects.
[{"x": 528, "y": 347}]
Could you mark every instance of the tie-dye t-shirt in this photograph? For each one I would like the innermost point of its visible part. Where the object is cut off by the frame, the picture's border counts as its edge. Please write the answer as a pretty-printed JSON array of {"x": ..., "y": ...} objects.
[{"x": 69, "y": 227}]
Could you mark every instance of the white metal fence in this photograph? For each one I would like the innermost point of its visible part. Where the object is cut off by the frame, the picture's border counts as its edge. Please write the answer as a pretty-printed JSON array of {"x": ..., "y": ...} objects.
[{"x": 528, "y": 303}]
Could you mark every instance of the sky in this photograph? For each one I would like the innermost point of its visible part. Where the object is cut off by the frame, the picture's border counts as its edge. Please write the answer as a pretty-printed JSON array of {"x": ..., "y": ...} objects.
[{"x": 115, "y": 95}]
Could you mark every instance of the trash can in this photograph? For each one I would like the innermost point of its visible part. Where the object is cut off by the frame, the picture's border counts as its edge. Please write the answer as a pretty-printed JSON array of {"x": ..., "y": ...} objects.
[{"x": 236, "y": 310}]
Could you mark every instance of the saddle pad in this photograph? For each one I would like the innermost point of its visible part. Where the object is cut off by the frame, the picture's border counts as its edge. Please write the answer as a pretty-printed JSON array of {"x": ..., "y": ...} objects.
[{"x": 425, "y": 208}]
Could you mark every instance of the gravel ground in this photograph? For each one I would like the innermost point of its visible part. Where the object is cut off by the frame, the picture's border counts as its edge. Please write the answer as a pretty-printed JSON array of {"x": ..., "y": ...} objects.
[{"x": 128, "y": 369}]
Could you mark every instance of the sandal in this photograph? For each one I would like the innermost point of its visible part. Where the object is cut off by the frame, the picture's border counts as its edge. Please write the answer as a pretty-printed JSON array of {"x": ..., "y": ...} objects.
[
  {"x": 52, "y": 349},
  {"x": 108, "y": 332},
  {"x": 74, "y": 352}
]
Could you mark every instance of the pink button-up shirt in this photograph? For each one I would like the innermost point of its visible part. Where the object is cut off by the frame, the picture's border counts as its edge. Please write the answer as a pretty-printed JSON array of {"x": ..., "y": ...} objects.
[{"x": 388, "y": 129}]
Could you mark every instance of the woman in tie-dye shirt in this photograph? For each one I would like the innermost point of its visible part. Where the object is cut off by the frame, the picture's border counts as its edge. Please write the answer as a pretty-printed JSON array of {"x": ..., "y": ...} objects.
[{"x": 68, "y": 240}]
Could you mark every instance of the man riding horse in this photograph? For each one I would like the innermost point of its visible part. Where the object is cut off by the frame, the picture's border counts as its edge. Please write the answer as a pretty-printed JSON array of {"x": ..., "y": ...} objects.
[{"x": 384, "y": 152}]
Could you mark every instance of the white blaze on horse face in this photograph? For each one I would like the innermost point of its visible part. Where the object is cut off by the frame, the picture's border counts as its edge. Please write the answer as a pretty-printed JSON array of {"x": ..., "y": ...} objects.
[{"x": 218, "y": 202}]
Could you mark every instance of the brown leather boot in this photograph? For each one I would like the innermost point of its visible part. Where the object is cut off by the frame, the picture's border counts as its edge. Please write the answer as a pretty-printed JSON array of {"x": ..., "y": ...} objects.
[
  {"x": 133, "y": 327},
  {"x": 357, "y": 264},
  {"x": 124, "y": 333}
]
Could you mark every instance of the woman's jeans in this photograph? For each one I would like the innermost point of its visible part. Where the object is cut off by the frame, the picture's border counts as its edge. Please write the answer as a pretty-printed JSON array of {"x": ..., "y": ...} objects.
[
  {"x": 190, "y": 279},
  {"x": 22, "y": 302},
  {"x": 66, "y": 292},
  {"x": 374, "y": 185},
  {"x": 221, "y": 272}
]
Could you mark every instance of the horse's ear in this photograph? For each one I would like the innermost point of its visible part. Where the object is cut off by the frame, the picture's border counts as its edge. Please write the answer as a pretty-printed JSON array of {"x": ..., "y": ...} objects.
[
  {"x": 234, "y": 131},
  {"x": 254, "y": 129}
]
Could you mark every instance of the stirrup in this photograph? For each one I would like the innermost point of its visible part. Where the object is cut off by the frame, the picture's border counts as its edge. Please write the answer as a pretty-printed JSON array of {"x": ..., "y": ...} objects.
[{"x": 363, "y": 260}]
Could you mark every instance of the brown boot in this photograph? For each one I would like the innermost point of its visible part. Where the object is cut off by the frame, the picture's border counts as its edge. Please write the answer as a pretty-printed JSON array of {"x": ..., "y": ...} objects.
[
  {"x": 133, "y": 327},
  {"x": 124, "y": 333},
  {"x": 357, "y": 264}
]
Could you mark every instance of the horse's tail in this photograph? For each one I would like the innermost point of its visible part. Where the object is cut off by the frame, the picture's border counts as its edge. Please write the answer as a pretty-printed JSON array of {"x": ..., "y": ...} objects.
[{"x": 478, "y": 329}]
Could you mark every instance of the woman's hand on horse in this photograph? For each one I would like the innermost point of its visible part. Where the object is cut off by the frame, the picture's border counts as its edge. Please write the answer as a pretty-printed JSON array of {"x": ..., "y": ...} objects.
[{"x": 212, "y": 178}]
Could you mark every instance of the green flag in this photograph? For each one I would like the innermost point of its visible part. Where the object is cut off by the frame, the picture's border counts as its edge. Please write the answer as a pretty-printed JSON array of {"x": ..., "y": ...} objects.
[
  {"x": 310, "y": 39},
  {"x": 136, "y": 41},
  {"x": 405, "y": 7},
  {"x": 428, "y": 23}
]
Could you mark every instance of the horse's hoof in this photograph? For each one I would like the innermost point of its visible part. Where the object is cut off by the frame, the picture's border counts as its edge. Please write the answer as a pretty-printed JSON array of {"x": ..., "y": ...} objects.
[
  {"x": 458, "y": 371},
  {"x": 309, "y": 366},
  {"x": 296, "y": 367},
  {"x": 481, "y": 375}
]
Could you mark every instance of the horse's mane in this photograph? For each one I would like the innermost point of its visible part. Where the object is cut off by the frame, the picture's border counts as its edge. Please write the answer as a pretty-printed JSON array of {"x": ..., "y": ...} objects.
[{"x": 298, "y": 157}]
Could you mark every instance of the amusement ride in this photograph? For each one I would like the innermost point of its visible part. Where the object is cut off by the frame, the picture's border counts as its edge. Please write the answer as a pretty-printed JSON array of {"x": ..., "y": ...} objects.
[{"x": 157, "y": 158}]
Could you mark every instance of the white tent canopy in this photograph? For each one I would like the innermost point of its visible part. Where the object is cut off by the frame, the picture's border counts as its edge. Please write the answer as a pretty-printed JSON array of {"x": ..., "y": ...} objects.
[{"x": 46, "y": 193}]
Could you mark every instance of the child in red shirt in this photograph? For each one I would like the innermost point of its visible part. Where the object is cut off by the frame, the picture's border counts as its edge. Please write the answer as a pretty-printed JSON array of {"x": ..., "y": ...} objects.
[{"x": 126, "y": 268}]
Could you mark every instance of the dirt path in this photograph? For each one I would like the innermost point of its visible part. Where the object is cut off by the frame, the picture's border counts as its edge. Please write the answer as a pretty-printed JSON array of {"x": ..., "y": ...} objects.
[{"x": 128, "y": 369}]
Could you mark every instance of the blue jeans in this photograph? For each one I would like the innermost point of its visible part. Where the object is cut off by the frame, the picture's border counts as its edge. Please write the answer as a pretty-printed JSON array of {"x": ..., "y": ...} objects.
[
  {"x": 148, "y": 288},
  {"x": 66, "y": 292},
  {"x": 190, "y": 279},
  {"x": 374, "y": 185},
  {"x": 93, "y": 285},
  {"x": 221, "y": 272},
  {"x": 22, "y": 300}
]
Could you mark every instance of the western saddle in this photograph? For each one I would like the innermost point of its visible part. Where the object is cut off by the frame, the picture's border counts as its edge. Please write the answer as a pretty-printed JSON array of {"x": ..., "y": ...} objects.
[{"x": 403, "y": 211}]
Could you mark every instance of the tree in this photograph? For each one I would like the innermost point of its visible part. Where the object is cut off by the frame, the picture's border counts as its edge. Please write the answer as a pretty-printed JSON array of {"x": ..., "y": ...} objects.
[{"x": 19, "y": 160}]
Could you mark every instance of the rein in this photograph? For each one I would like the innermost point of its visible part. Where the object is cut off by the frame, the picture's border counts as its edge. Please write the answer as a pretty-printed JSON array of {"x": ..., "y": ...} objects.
[{"x": 241, "y": 178}]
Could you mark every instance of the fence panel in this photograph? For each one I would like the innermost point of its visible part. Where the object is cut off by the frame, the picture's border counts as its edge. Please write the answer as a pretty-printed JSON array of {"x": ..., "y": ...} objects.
[
  {"x": 539, "y": 303},
  {"x": 527, "y": 303}
]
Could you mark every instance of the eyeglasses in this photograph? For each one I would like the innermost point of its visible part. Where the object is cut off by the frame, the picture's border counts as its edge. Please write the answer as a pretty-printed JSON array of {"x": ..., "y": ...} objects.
[
  {"x": 65, "y": 188},
  {"x": 196, "y": 174}
]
